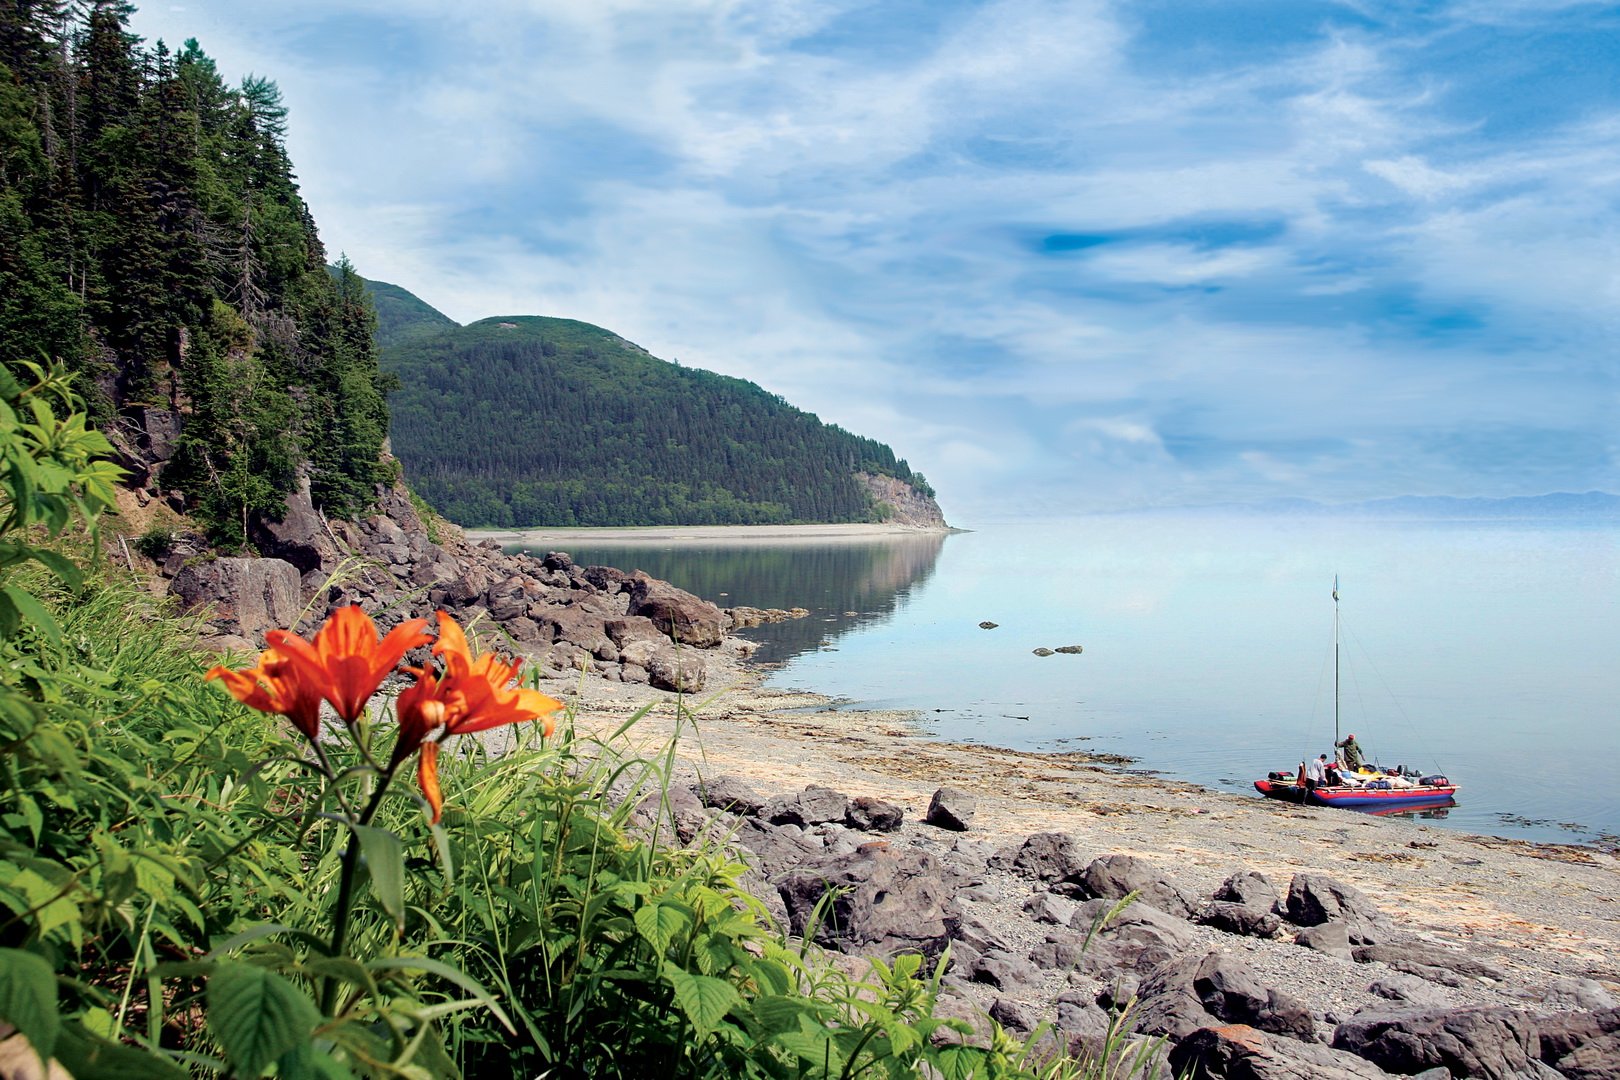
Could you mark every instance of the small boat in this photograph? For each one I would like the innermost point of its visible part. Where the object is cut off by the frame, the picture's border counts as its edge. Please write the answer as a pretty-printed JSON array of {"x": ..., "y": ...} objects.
[{"x": 1369, "y": 790}]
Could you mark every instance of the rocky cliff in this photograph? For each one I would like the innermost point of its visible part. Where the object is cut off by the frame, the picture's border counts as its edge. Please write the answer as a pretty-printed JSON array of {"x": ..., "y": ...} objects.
[{"x": 906, "y": 505}]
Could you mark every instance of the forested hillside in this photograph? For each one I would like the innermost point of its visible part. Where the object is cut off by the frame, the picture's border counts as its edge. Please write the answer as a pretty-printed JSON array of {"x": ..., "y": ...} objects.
[
  {"x": 526, "y": 421},
  {"x": 153, "y": 241}
]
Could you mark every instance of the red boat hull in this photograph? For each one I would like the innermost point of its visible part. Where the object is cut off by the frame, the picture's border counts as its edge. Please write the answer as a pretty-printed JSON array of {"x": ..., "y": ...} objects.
[{"x": 1352, "y": 798}]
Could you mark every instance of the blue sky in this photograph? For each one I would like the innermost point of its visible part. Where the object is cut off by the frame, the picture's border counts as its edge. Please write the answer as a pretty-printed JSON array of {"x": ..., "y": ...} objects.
[{"x": 1061, "y": 256}]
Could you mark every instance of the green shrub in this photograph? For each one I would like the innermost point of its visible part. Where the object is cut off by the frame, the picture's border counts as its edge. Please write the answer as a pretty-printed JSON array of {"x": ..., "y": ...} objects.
[{"x": 157, "y": 542}]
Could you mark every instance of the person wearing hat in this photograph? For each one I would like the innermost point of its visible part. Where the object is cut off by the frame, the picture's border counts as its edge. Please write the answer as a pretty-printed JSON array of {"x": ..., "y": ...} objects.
[{"x": 1352, "y": 753}]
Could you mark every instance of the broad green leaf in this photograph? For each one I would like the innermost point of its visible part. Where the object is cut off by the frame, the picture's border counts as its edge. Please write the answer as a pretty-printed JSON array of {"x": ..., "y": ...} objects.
[
  {"x": 704, "y": 999},
  {"x": 28, "y": 999},
  {"x": 26, "y": 611},
  {"x": 62, "y": 566},
  {"x": 384, "y": 857},
  {"x": 660, "y": 923},
  {"x": 257, "y": 1015},
  {"x": 90, "y": 1057}
]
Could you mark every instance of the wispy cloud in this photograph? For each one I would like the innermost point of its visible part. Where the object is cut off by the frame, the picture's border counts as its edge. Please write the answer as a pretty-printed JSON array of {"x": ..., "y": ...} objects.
[{"x": 1066, "y": 254}]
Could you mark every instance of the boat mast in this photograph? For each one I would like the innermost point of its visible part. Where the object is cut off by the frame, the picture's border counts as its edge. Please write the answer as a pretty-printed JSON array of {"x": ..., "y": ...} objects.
[{"x": 1335, "y": 659}]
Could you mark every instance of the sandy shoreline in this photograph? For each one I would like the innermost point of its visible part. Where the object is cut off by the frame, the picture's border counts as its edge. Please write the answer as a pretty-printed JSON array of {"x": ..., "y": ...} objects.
[
  {"x": 692, "y": 535},
  {"x": 1539, "y": 908}
]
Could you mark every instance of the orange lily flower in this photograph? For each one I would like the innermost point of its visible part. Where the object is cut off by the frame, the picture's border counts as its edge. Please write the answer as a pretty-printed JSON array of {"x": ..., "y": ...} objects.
[
  {"x": 346, "y": 659},
  {"x": 276, "y": 685},
  {"x": 472, "y": 695}
]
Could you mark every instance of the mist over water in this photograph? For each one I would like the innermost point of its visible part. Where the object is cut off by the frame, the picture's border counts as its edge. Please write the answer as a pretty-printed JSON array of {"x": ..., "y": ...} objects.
[{"x": 1484, "y": 650}]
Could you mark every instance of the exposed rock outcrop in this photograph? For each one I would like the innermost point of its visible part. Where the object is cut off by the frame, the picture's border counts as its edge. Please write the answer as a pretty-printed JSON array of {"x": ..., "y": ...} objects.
[{"x": 905, "y": 504}]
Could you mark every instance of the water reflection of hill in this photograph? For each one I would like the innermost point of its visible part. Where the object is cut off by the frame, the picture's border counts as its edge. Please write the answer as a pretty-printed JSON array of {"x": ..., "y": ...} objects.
[{"x": 866, "y": 577}]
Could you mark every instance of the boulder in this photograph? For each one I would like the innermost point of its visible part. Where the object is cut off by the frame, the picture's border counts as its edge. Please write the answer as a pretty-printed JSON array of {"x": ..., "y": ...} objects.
[
  {"x": 1561, "y": 1034},
  {"x": 951, "y": 809},
  {"x": 871, "y": 814},
  {"x": 676, "y": 612},
  {"x": 1595, "y": 1060},
  {"x": 608, "y": 579},
  {"x": 301, "y": 536},
  {"x": 1488, "y": 1042},
  {"x": 571, "y": 623},
  {"x": 728, "y": 793},
  {"x": 1186, "y": 993},
  {"x": 1046, "y": 856},
  {"x": 624, "y": 629},
  {"x": 1407, "y": 990},
  {"x": 1004, "y": 970},
  {"x": 247, "y": 596},
  {"x": 1241, "y": 1052},
  {"x": 1249, "y": 888},
  {"x": 1241, "y": 919},
  {"x": 1114, "y": 877},
  {"x": 1048, "y": 908},
  {"x": 676, "y": 811},
  {"x": 812, "y": 806},
  {"x": 1314, "y": 899},
  {"x": 885, "y": 901},
  {"x": 677, "y": 670},
  {"x": 1010, "y": 1016},
  {"x": 1433, "y": 962},
  {"x": 1330, "y": 939},
  {"x": 1138, "y": 939},
  {"x": 1569, "y": 993},
  {"x": 772, "y": 848}
]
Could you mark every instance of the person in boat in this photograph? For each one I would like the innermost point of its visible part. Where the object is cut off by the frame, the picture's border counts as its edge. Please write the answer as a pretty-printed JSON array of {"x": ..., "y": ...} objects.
[
  {"x": 1316, "y": 773},
  {"x": 1352, "y": 753},
  {"x": 1330, "y": 771}
]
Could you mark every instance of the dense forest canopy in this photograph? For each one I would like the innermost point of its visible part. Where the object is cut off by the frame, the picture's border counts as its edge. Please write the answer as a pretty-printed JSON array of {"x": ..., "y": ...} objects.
[
  {"x": 153, "y": 239},
  {"x": 526, "y": 421}
]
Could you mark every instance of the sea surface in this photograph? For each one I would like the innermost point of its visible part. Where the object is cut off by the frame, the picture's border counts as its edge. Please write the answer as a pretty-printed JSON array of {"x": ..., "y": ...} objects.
[{"x": 1488, "y": 651}]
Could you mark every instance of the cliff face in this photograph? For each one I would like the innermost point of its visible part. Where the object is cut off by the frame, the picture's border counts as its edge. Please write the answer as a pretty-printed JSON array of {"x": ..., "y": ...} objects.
[{"x": 906, "y": 504}]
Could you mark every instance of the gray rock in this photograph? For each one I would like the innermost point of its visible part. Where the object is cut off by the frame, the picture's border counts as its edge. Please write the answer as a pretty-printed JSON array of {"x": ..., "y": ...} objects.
[
  {"x": 774, "y": 849},
  {"x": 988, "y": 625},
  {"x": 1441, "y": 965},
  {"x": 676, "y": 612},
  {"x": 1070, "y": 650},
  {"x": 1241, "y": 919},
  {"x": 1005, "y": 970},
  {"x": 1048, "y": 908},
  {"x": 1484, "y": 1042},
  {"x": 674, "y": 812},
  {"x": 677, "y": 670},
  {"x": 1560, "y": 1035},
  {"x": 624, "y": 629},
  {"x": 1595, "y": 1060},
  {"x": 812, "y": 806},
  {"x": 1186, "y": 993},
  {"x": 1042, "y": 651},
  {"x": 731, "y": 793},
  {"x": 1331, "y": 939},
  {"x": 1314, "y": 899},
  {"x": 1408, "y": 990},
  {"x": 247, "y": 596},
  {"x": 885, "y": 901},
  {"x": 1010, "y": 1016},
  {"x": 870, "y": 814},
  {"x": 1114, "y": 877},
  {"x": 976, "y": 933},
  {"x": 1046, "y": 856},
  {"x": 951, "y": 809},
  {"x": 1137, "y": 939},
  {"x": 1241, "y": 1052},
  {"x": 1567, "y": 993},
  {"x": 1249, "y": 888}
]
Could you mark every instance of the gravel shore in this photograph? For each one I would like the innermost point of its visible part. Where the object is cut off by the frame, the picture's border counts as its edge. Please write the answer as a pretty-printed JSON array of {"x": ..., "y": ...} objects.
[{"x": 1538, "y": 912}]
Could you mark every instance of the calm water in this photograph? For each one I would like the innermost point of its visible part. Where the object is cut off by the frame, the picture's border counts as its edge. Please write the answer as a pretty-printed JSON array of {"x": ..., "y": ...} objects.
[{"x": 1489, "y": 651}]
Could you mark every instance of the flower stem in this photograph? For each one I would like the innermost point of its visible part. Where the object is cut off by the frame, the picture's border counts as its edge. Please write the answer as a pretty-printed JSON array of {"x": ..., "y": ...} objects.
[{"x": 345, "y": 898}]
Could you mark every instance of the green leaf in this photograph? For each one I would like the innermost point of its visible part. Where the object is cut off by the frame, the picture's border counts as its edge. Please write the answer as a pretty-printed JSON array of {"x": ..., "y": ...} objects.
[
  {"x": 445, "y": 971},
  {"x": 704, "y": 999},
  {"x": 28, "y": 999},
  {"x": 89, "y": 1057},
  {"x": 26, "y": 609},
  {"x": 441, "y": 845},
  {"x": 384, "y": 857},
  {"x": 60, "y": 565},
  {"x": 257, "y": 1015},
  {"x": 660, "y": 923}
]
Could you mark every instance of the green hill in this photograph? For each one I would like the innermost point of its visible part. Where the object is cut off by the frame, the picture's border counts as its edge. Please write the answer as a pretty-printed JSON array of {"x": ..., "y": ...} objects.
[
  {"x": 401, "y": 315},
  {"x": 529, "y": 421}
]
